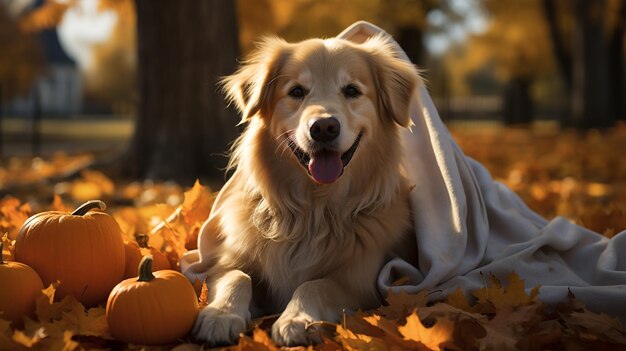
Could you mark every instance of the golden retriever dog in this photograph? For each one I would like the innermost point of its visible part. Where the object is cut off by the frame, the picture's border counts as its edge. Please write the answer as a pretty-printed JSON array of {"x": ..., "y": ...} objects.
[{"x": 318, "y": 200}]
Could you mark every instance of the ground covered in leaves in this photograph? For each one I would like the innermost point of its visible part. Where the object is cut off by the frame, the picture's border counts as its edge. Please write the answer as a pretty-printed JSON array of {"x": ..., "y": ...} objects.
[{"x": 577, "y": 175}]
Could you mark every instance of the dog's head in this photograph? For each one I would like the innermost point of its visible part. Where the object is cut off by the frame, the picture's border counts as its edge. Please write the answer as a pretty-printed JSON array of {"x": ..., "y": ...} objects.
[{"x": 325, "y": 98}]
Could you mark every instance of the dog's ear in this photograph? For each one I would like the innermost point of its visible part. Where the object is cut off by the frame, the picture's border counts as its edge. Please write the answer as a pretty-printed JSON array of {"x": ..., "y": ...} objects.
[
  {"x": 251, "y": 88},
  {"x": 396, "y": 79}
]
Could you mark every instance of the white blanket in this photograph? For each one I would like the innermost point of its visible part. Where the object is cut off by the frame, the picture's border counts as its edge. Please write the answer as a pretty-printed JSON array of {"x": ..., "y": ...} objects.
[{"x": 467, "y": 223}]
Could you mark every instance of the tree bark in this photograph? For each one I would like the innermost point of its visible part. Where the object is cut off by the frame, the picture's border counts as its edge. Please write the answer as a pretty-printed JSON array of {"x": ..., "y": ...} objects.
[
  {"x": 616, "y": 65},
  {"x": 562, "y": 54},
  {"x": 183, "y": 126},
  {"x": 410, "y": 39},
  {"x": 590, "y": 95},
  {"x": 518, "y": 105}
]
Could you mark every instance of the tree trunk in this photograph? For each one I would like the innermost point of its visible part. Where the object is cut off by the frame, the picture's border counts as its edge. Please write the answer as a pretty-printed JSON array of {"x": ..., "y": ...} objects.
[
  {"x": 590, "y": 95},
  {"x": 561, "y": 53},
  {"x": 616, "y": 65},
  {"x": 183, "y": 127},
  {"x": 518, "y": 106},
  {"x": 563, "y": 56},
  {"x": 410, "y": 38}
]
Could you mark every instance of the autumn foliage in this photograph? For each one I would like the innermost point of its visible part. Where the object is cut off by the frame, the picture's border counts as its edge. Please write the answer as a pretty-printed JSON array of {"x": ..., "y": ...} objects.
[{"x": 571, "y": 174}]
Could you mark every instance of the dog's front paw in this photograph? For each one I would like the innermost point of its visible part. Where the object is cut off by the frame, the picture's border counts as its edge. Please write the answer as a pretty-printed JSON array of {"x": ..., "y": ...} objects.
[
  {"x": 218, "y": 327},
  {"x": 291, "y": 330}
]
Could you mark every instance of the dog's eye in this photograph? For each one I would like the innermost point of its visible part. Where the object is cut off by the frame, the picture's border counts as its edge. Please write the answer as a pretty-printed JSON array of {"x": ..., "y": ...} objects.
[
  {"x": 350, "y": 91},
  {"x": 297, "y": 92}
]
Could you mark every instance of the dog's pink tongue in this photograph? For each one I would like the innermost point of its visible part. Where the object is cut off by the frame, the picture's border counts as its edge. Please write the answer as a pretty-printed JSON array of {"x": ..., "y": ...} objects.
[{"x": 326, "y": 167}]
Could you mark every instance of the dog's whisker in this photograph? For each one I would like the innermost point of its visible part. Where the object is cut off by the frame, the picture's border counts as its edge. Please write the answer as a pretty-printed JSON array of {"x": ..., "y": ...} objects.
[{"x": 282, "y": 145}]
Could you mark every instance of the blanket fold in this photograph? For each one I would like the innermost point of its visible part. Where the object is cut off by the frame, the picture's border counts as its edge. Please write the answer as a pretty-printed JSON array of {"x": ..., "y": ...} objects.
[{"x": 468, "y": 225}]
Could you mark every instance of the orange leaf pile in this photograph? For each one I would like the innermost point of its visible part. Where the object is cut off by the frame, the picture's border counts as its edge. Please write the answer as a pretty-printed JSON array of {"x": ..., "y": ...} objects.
[{"x": 582, "y": 177}]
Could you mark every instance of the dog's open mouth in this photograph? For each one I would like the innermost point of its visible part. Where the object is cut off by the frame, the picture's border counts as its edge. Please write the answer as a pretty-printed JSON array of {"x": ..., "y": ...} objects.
[{"x": 325, "y": 166}]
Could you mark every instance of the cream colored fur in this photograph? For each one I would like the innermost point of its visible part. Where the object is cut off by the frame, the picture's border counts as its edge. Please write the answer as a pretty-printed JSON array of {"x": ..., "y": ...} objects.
[{"x": 281, "y": 242}]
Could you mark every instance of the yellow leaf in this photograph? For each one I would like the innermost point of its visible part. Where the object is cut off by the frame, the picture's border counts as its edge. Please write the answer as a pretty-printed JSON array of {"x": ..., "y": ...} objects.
[
  {"x": 87, "y": 322},
  {"x": 197, "y": 204},
  {"x": 104, "y": 183},
  {"x": 400, "y": 304},
  {"x": 64, "y": 342},
  {"x": 260, "y": 336},
  {"x": 391, "y": 335},
  {"x": 458, "y": 300},
  {"x": 6, "y": 339},
  {"x": 7, "y": 248},
  {"x": 353, "y": 341},
  {"x": 12, "y": 216},
  {"x": 26, "y": 340},
  {"x": 513, "y": 295},
  {"x": 58, "y": 205},
  {"x": 440, "y": 333},
  {"x": 509, "y": 326},
  {"x": 47, "y": 310},
  {"x": 599, "y": 324}
]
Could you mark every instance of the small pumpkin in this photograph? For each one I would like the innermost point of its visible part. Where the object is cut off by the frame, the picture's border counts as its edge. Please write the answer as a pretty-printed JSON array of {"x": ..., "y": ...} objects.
[
  {"x": 134, "y": 256},
  {"x": 20, "y": 285},
  {"x": 152, "y": 309},
  {"x": 84, "y": 250}
]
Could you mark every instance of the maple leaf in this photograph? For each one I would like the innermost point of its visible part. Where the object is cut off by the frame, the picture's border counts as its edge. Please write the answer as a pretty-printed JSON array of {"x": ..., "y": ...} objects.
[
  {"x": 513, "y": 295},
  {"x": 7, "y": 248},
  {"x": 599, "y": 324},
  {"x": 458, "y": 300},
  {"x": 509, "y": 325},
  {"x": 92, "y": 185},
  {"x": 435, "y": 337},
  {"x": 354, "y": 341},
  {"x": 86, "y": 322},
  {"x": 6, "y": 333},
  {"x": 400, "y": 304},
  {"x": 47, "y": 310},
  {"x": 62, "y": 343},
  {"x": 203, "y": 298},
  {"x": 12, "y": 215},
  {"x": 58, "y": 204},
  {"x": 391, "y": 335},
  {"x": 19, "y": 337},
  {"x": 328, "y": 345},
  {"x": 260, "y": 336},
  {"x": 197, "y": 204}
]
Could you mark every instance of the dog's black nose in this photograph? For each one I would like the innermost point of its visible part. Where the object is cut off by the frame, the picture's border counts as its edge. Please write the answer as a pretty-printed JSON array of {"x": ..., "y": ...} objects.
[{"x": 325, "y": 129}]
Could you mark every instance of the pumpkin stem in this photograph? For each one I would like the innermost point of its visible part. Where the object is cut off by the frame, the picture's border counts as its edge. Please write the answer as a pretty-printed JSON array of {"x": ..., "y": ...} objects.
[
  {"x": 145, "y": 269},
  {"x": 89, "y": 205}
]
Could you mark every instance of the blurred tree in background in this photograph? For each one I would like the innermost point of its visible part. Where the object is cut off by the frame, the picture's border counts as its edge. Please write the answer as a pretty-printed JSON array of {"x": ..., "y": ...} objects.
[
  {"x": 406, "y": 20},
  {"x": 534, "y": 58},
  {"x": 516, "y": 46},
  {"x": 588, "y": 41},
  {"x": 183, "y": 126},
  {"x": 21, "y": 61}
]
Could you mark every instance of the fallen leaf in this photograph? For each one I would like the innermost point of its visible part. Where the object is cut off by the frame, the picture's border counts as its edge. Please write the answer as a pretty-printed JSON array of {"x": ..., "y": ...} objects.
[
  {"x": 512, "y": 295},
  {"x": 6, "y": 336},
  {"x": 400, "y": 304},
  {"x": 29, "y": 341},
  {"x": 260, "y": 336},
  {"x": 438, "y": 335},
  {"x": 47, "y": 310},
  {"x": 197, "y": 204},
  {"x": 12, "y": 215}
]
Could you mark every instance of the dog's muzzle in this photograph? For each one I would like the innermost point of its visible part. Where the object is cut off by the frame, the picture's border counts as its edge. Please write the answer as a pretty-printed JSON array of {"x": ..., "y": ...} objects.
[{"x": 324, "y": 166}]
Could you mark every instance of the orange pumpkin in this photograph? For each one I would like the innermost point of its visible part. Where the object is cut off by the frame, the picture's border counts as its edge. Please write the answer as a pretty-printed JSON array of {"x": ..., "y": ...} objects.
[
  {"x": 152, "y": 309},
  {"x": 133, "y": 258},
  {"x": 19, "y": 288},
  {"x": 84, "y": 250}
]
